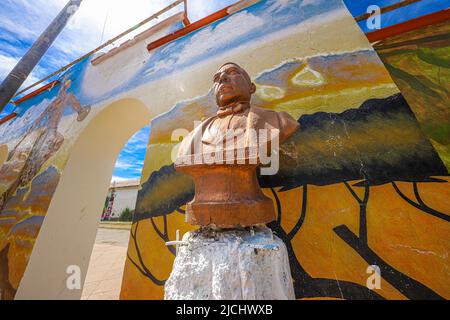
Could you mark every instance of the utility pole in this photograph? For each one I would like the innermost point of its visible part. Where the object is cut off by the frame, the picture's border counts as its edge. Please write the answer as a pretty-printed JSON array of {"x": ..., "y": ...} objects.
[{"x": 24, "y": 67}]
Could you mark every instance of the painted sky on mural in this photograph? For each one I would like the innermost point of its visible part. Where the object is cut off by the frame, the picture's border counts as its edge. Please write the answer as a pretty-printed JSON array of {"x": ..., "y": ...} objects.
[{"x": 94, "y": 23}]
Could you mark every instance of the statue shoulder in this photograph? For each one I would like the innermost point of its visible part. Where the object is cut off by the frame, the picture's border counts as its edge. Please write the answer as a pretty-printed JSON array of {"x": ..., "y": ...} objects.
[
  {"x": 288, "y": 125},
  {"x": 278, "y": 119}
]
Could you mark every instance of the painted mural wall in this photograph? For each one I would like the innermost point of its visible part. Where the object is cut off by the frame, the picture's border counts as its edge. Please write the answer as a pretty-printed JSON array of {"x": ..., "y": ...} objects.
[
  {"x": 38, "y": 143},
  {"x": 362, "y": 183},
  {"x": 419, "y": 62}
]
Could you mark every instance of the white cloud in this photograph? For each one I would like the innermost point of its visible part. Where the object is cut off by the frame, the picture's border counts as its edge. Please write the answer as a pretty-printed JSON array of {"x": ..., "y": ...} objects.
[
  {"x": 97, "y": 21},
  {"x": 230, "y": 29},
  {"x": 120, "y": 164},
  {"x": 309, "y": 2},
  {"x": 7, "y": 63},
  {"x": 198, "y": 9},
  {"x": 277, "y": 5},
  {"x": 140, "y": 137},
  {"x": 12, "y": 129},
  {"x": 210, "y": 38},
  {"x": 118, "y": 179},
  {"x": 23, "y": 32}
]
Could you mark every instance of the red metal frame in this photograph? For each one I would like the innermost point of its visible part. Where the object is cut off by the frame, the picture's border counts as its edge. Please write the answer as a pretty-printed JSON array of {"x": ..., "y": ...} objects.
[
  {"x": 36, "y": 92},
  {"x": 189, "y": 28},
  {"x": 8, "y": 117}
]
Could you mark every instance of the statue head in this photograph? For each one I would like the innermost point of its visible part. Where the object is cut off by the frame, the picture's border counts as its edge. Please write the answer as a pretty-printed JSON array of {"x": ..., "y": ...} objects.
[{"x": 232, "y": 84}]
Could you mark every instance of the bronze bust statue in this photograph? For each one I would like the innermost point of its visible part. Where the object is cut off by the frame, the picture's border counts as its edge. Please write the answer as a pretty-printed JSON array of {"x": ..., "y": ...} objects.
[{"x": 223, "y": 152}]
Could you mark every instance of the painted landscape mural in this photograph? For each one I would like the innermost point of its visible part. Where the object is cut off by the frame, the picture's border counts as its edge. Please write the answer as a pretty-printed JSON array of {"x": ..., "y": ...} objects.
[
  {"x": 39, "y": 142},
  {"x": 30, "y": 174},
  {"x": 363, "y": 182}
]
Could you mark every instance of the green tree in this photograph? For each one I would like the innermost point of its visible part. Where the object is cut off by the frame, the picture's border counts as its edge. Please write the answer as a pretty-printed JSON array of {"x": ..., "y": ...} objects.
[{"x": 126, "y": 215}]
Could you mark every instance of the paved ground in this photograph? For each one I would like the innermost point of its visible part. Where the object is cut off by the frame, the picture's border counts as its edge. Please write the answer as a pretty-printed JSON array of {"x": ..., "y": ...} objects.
[{"x": 104, "y": 276}]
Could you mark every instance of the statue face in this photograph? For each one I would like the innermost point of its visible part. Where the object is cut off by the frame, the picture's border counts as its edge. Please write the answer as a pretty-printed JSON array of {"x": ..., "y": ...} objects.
[{"x": 231, "y": 85}]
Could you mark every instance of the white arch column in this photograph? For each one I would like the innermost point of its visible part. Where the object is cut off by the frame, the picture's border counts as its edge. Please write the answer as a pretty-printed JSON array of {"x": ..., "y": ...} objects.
[{"x": 69, "y": 229}]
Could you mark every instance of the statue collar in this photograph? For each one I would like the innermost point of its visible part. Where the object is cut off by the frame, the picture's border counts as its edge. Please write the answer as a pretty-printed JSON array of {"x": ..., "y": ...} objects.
[{"x": 232, "y": 108}]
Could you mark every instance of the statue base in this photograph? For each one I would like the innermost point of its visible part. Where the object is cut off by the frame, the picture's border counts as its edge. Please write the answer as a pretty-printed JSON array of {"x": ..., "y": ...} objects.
[
  {"x": 229, "y": 214},
  {"x": 239, "y": 264},
  {"x": 227, "y": 196}
]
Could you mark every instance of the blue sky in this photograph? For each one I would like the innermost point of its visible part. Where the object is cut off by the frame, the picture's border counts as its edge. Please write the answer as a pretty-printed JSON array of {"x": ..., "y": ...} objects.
[{"x": 98, "y": 20}]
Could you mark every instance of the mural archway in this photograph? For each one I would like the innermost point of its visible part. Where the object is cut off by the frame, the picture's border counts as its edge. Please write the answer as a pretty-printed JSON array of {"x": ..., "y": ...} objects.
[{"x": 68, "y": 233}]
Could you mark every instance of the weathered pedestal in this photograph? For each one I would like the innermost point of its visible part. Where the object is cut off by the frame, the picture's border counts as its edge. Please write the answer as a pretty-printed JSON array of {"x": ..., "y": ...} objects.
[
  {"x": 238, "y": 264},
  {"x": 227, "y": 196}
]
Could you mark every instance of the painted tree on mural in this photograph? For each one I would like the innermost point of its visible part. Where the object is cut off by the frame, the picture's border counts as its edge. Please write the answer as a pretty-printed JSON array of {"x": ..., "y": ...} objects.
[
  {"x": 374, "y": 116},
  {"x": 151, "y": 204},
  {"x": 312, "y": 287},
  {"x": 330, "y": 148},
  {"x": 141, "y": 264},
  {"x": 306, "y": 286}
]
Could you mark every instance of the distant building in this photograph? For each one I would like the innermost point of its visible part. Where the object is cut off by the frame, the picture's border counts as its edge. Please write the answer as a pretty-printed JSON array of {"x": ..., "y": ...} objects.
[{"x": 121, "y": 195}]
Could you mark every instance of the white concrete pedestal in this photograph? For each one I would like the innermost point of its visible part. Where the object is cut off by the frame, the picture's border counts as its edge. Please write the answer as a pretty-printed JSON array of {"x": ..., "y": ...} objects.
[{"x": 230, "y": 264}]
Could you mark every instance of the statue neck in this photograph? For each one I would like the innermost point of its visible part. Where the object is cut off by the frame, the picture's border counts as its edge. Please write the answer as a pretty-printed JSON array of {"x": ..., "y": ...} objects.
[{"x": 231, "y": 108}]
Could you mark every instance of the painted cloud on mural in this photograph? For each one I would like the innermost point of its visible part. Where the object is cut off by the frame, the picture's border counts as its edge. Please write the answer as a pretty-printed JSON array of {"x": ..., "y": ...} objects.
[
  {"x": 208, "y": 39},
  {"x": 240, "y": 29},
  {"x": 15, "y": 128}
]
